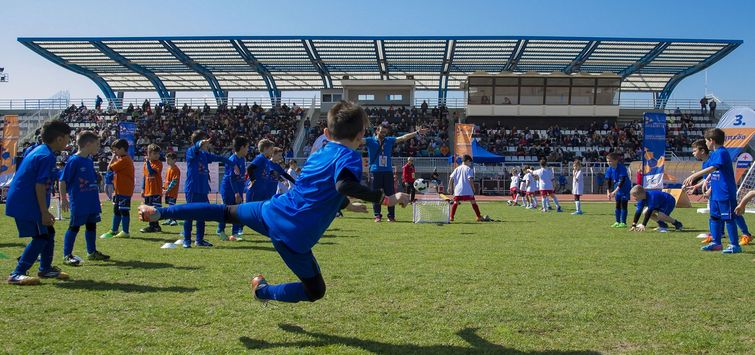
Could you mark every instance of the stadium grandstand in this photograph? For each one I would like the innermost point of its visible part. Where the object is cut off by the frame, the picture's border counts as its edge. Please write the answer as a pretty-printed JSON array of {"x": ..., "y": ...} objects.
[{"x": 557, "y": 98}]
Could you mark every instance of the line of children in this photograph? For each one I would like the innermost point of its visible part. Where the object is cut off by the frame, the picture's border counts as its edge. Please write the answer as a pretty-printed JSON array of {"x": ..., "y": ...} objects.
[
  {"x": 79, "y": 180},
  {"x": 152, "y": 183},
  {"x": 619, "y": 185},
  {"x": 123, "y": 167},
  {"x": 657, "y": 205},
  {"x": 232, "y": 185},
  {"x": 462, "y": 179},
  {"x": 170, "y": 184}
]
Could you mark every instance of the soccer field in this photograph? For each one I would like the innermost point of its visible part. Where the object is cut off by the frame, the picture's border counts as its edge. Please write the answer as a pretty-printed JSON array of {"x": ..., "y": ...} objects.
[{"x": 532, "y": 282}]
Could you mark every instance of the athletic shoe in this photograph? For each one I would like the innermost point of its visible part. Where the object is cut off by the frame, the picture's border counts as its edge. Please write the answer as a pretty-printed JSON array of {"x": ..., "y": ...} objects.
[
  {"x": 222, "y": 235},
  {"x": 123, "y": 234},
  {"x": 577, "y": 213},
  {"x": 508, "y": 202},
  {"x": 202, "y": 243},
  {"x": 712, "y": 247},
  {"x": 22, "y": 280},
  {"x": 107, "y": 235},
  {"x": 173, "y": 223},
  {"x": 166, "y": 223},
  {"x": 150, "y": 229},
  {"x": 678, "y": 226},
  {"x": 622, "y": 225},
  {"x": 662, "y": 230},
  {"x": 745, "y": 239},
  {"x": 258, "y": 283},
  {"x": 732, "y": 249},
  {"x": 72, "y": 260},
  {"x": 98, "y": 256},
  {"x": 235, "y": 238},
  {"x": 378, "y": 219},
  {"x": 148, "y": 214},
  {"x": 186, "y": 244},
  {"x": 707, "y": 240},
  {"x": 53, "y": 273},
  {"x": 391, "y": 219},
  {"x": 662, "y": 224},
  {"x": 543, "y": 210},
  {"x": 615, "y": 225},
  {"x": 559, "y": 209}
]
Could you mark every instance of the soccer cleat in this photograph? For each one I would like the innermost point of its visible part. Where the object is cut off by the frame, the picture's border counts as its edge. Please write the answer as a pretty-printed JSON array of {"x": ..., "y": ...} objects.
[
  {"x": 732, "y": 249},
  {"x": 258, "y": 283},
  {"x": 150, "y": 229},
  {"x": 391, "y": 219},
  {"x": 707, "y": 240},
  {"x": 186, "y": 244},
  {"x": 148, "y": 214},
  {"x": 559, "y": 209},
  {"x": 577, "y": 213},
  {"x": 678, "y": 226},
  {"x": 98, "y": 256},
  {"x": 222, "y": 235},
  {"x": 745, "y": 239},
  {"x": 622, "y": 225},
  {"x": 203, "y": 243},
  {"x": 72, "y": 260},
  {"x": 166, "y": 223},
  {"x": 615, "y": 225},
  {"x": 173, "y": 223},
  {"x": 107, "y": 235},
  {"x": 712, "y": 247},
  {"x": 53, "y": 273},
  {"x": 123, "y": 234},
  {"x": 22, "y": 280},
  {"x": 235, "y": 237},
  {"x": 662, "y": 230},
  {"x": 378, "y": 219},
  {"x": 543, "y": 210}
]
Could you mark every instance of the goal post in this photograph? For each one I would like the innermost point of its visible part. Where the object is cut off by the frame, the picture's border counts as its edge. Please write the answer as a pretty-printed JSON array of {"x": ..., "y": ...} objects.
[{"x": 433, "y": 210}]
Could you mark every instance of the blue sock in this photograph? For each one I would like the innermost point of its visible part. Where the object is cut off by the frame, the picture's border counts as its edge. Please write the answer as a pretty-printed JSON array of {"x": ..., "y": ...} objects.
[
  {"x": 68, "y": 240},
  {"x": 126, "y": 220},
  {"x": 624, "y": 216},
  {"x": 200, "y": 229},
  {"x": 116, "y": 223},
  {"x": 45, "y": 257},
  {"x": 91, "y": 238},
  {"x": 187, "y": 229},
  {"x": 29, "y": 256},
  {"x": 617, "y": 214},
  {"x": 742, "y": 225},
  {"x": 290, "y": 292},
  {"x": 716, "y": 230},
  {"x": 731, "y": 230}
]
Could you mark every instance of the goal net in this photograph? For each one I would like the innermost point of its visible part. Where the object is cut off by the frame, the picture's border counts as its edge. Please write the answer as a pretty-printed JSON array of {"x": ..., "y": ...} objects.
[
  {"x": 747, "y": 185},
  {"x": 431, "y": 211}
]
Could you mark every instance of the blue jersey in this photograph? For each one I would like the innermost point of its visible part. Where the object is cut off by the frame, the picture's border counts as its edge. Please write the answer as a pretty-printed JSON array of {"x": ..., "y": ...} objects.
[
  {"x": 198, "y": 172},
  {"x": 615, "y": 175},
  {"x": 260, "y": 163},
  {"x": 233, "y": 179},
  {"x": 266, "y": 176},
  {"x": 37, "y": 167},
  {"x": 656, "y": 201},
  {"x": 81, "y": 183},
  {"x": 109, "y": 176},
  {"x": 380, "y": 154},
  {"x": 723, "y": 187},
  {"x": 299, "y": 217}
]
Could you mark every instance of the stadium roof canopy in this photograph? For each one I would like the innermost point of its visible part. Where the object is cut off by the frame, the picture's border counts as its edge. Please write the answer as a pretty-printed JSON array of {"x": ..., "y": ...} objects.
[{"x": 275, "y": 63}]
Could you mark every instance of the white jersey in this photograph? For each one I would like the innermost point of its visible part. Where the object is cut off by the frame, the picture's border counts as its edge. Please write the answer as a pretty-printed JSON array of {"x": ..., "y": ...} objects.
[
  {"x": 546, "y": 179},
  {"x": 531, "y": 183},
  {"x": 462, "y": 184},
  {"x": 578, "y": 183},
  {"x": 320, "y": 142},
  {"x": 521, "y": 183},
  {"x": 285, "y": 185},
  {"x": 514, "y": 182}
]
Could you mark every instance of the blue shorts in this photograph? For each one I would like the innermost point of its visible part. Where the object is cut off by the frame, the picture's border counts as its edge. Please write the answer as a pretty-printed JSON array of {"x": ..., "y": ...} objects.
[
  {"x": 667, "y": 209},
  {"x": 122, "y": 203},
  {"x": 154, "y": 201},
  {"x": 82, "y": 219},
  {"x": 229, "y": 198},
  {"x": 32, "y": 228},
  {"x": 192, "y": 198},
  {"x": 621, "y": 197},
  {"x": 170, "y": 201},
  {"x": 722, "y": 209}
]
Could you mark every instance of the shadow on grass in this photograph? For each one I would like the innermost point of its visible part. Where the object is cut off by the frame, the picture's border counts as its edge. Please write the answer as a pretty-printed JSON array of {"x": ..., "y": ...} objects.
[
  {"x": 135, "y": 264},
  {"x": 123, "y": 287},
  {"x": 338, "y": 236},
  {"x": 12, "y": 245},
  {"x": 477, "y": 344},
  {"x": 239, "y": 247}
]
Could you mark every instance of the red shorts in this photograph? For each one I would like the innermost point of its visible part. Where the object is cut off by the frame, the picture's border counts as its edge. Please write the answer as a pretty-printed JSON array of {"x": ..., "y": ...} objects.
[
  {"x": 464, "y": 198},
  {"x": 546, "y": 192},
  {"x": 513, "y": 190},
  {"x": 529, "y": 193}
]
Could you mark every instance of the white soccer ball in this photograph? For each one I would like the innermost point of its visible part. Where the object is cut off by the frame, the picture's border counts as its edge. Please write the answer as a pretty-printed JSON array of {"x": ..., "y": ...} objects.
[{"x": 421, "y": 185}]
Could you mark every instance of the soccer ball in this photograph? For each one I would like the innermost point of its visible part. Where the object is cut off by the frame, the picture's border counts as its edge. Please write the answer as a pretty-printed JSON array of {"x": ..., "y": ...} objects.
[{"x": 421, "y": 185}]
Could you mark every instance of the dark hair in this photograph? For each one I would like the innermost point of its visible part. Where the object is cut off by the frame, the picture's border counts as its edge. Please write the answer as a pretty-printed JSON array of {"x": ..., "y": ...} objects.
[
  {"x": 467, "y": 158},
  {"x": 346, "y": 119},
  {"x": 198, "y": 136},
  {"x": 239, "y": 142},
  {"x": 264, "y": 144},
  {"x": 543, "y": 162},
  {"x": 54, "y": 129},
  {"x": 120, "y": 144},
  {"x": 171, "y": 155},
  {"x": 86, "y": 137},
  {"x": 700, "y": 145},
  {"x": 717, "y": 135},
  {"x": 153, "y": 148},
  {"x": 614, "y": 156}
]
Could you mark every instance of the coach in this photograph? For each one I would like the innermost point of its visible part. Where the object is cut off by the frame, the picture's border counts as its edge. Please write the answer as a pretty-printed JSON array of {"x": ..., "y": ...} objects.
[{"x": 379, "y": 150}]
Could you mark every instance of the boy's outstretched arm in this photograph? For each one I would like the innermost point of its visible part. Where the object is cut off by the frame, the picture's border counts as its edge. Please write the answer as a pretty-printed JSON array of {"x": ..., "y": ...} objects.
[
  {"x": 348, "y": 185},
  {"x": 691, "y": 179}
]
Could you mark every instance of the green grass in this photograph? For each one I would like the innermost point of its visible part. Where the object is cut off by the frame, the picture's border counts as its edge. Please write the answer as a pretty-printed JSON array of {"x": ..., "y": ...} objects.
[{"x": 530, "y": 283}]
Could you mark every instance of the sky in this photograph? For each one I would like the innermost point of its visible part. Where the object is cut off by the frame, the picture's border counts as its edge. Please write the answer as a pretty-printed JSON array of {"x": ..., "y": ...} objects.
[{"x": 31, "y": 76}]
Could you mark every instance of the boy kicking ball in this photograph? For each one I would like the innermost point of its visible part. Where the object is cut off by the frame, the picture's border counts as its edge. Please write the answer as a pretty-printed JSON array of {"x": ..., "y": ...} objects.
[
  {"x": 296, "y": 220},
  {"x": 657, "y": 206}
]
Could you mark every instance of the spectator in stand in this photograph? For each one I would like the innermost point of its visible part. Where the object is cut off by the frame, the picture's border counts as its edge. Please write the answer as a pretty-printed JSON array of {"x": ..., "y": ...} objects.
[
  {"x": 98, "y": 103},
  {"x": 703, "y": 106},
  {"x": 712, "y": 106},
  {"x": 407, "y": 176},
  {"x": 424, "y": 107}
]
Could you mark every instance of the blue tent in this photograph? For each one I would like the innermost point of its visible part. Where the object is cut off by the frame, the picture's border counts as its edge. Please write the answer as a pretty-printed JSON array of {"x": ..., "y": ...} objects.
[{"x": 480, "y": 155}]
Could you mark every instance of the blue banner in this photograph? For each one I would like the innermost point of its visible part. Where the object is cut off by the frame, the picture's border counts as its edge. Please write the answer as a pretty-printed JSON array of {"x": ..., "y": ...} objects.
[
  {"x": 654, "y": 149},
  {"x": 127, "y": 130}
]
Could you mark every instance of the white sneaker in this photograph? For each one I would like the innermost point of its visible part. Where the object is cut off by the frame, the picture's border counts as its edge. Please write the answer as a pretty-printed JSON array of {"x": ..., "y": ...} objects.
[{"x": 662, "y": 230}]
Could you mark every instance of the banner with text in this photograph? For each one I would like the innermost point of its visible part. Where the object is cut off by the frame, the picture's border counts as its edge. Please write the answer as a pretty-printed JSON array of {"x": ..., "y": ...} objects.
[
  {"x": 127, "y": 131},
  {"x": 8, "y": 149},
  {"x": 739, "y": 125},
  {"x": 463, "y": 139},
  {"x": 654, "y": 147}
]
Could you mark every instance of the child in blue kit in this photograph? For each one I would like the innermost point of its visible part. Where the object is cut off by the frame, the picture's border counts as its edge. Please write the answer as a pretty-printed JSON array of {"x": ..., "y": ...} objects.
[
  {"x": 619, "y": 185},
  {"x": 79, "y": 180},
  {"x": 656, "y": 205},
  {"x": 232, "y": 185},
  {"x": 296, "y": 220},
  {"x": 198, "y": 183},
  {"x": 263, "y": 173},
  {"x": 723, "y": 199},
  {"x": 28, "y": 203}
]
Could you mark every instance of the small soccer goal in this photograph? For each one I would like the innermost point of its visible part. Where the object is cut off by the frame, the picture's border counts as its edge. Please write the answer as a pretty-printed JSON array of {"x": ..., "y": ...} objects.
[
  {"x": 436, "y": 211},
  {"x": 747, "y": 185}
]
